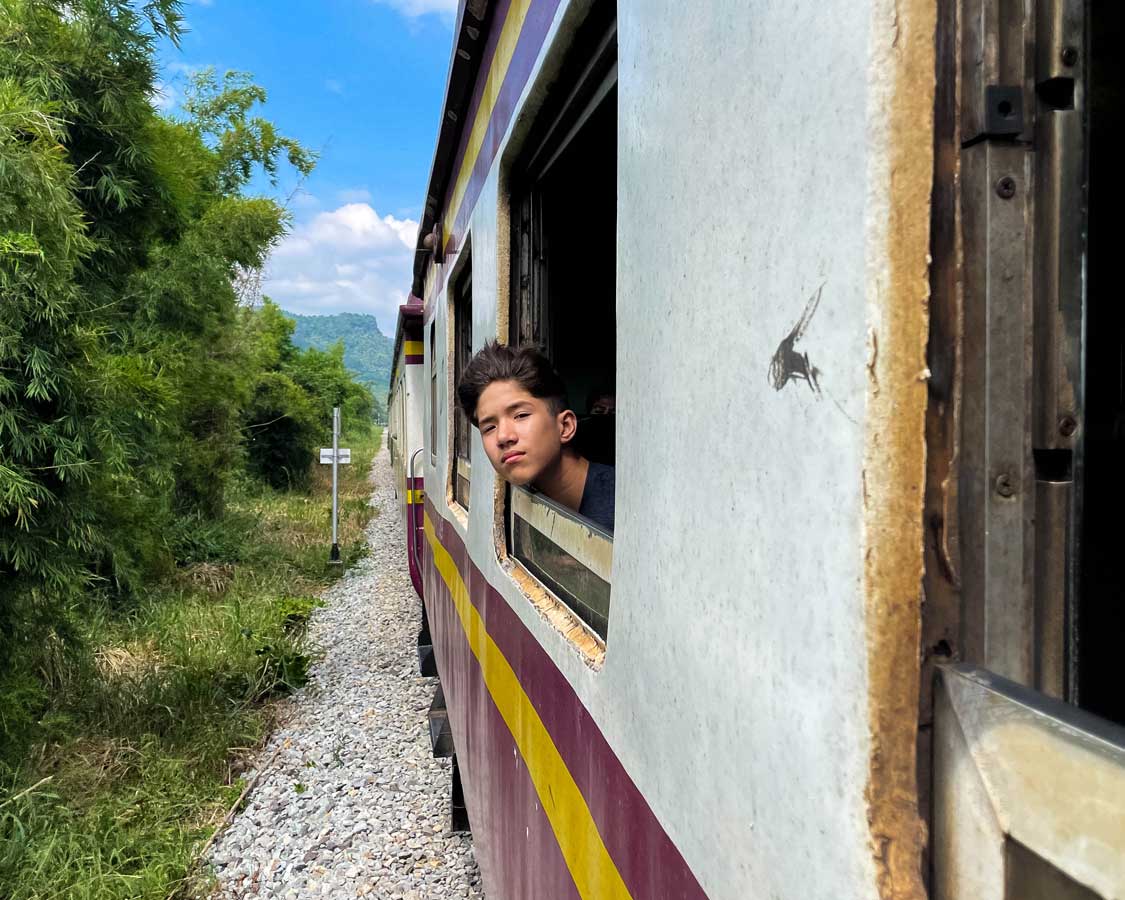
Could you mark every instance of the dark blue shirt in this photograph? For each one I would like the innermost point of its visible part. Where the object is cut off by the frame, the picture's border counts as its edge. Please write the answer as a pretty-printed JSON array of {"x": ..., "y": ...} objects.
[{"x": 597, "y": 496}]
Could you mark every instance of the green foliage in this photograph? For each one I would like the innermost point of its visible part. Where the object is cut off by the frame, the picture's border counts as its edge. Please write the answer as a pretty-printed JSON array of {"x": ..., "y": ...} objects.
[
  {"x": 283, "y": 432},
  {"x": 220, "y": 114},
  {"x": 142, "y": 406},
  {"x": 324, "y": 376},
  {"x": 294, "y": 612},
  {"x": 131, "y": 379},
  {"x": 133, "y": 767},
  {"x": 289, "y": 412}
]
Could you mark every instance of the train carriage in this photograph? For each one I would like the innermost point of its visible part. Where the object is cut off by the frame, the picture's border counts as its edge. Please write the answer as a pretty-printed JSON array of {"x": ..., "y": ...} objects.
[
  {"x": 843, "y": 267},
  {"x": 404, "y": 432}
]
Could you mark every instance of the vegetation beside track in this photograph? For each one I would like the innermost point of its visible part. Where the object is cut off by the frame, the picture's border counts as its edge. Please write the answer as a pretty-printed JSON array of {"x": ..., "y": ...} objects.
[
  {"x": 140, "y": 753},
  {"x": 162, "y": 528}
]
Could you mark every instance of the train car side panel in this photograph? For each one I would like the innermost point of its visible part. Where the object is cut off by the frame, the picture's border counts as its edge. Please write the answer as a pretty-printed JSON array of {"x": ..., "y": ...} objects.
[
  {"x": 405, "y": 436},
  {"x": 732, "y": 706}
]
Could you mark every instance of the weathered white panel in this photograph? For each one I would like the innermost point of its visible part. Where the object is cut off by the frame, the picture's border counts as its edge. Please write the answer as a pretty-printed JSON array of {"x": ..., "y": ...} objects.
[
  {"x": 737, "y": 627},
  {"x": 734, "y": 687}
]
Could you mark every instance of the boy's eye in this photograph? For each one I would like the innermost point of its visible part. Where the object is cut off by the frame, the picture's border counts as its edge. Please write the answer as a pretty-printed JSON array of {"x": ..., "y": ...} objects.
[
  {"x": 522, "y": 415},
  {"x": 487, "y": 429}
]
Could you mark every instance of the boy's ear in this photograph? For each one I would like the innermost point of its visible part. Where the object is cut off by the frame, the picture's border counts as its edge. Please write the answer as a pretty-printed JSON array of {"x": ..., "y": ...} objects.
[{"x": 568, "y": 425}]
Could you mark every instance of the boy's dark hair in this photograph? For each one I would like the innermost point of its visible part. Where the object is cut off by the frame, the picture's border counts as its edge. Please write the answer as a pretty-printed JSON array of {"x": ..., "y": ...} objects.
[{"x": 526, "y": 366}]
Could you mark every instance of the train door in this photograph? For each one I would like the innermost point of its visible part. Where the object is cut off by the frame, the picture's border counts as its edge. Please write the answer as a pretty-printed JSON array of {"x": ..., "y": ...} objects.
[{"x": 1022, "y": 726}]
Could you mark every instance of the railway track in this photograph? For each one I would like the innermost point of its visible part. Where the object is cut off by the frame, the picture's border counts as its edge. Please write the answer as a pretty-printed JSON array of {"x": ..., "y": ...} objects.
[{"x": 350, "y": 801}]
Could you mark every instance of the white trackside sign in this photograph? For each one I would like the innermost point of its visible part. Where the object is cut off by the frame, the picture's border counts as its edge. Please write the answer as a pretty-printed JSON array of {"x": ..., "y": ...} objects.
[{"x": 343, "y": 456}]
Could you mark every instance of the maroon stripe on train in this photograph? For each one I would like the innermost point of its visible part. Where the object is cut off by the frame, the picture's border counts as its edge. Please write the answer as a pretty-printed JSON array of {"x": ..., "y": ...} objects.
[
  {"x": 650, "y": 864},
  {"x": 535, "y": 28},
  {"x": 512, "y": 837},
  {"x": 415, "y": 523},
  {"x": 415, "y": 359},
  {"x": 418, "y": 484}
]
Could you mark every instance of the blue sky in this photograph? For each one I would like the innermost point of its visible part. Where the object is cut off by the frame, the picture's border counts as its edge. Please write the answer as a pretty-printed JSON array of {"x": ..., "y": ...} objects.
[{"x": 360, "y": 81}]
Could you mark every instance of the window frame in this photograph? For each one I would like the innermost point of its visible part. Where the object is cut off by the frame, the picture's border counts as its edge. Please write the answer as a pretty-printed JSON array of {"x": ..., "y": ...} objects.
[
  {"x": 530, "y": 313},
  {"x": 460, "y": 318},
  {"x": 567, "y": 554},
  {"x": 433, "y": 392},
  {"x": 589, "y": 76}
]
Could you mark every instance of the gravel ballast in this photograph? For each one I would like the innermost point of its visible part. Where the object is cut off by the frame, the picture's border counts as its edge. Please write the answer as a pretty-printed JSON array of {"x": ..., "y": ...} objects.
[{"x": 350, "y": 802}]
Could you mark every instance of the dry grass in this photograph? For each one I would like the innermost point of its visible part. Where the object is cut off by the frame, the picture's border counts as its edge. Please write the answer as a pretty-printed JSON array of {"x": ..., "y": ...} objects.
[
  {"x": 130, "y": 662},
  {"x": 212, "y": 578}
]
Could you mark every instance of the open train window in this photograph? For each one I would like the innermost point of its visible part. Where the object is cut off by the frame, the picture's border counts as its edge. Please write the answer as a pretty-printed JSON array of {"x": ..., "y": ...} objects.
[
  {"x": 433, "y": 392},
  {"x": 563, "y": 299},
  {"x": 462, "y": 316}
]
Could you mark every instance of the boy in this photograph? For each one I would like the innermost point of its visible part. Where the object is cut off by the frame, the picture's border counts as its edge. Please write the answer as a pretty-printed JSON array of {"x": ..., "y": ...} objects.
[{"x": 518, "y": 402}]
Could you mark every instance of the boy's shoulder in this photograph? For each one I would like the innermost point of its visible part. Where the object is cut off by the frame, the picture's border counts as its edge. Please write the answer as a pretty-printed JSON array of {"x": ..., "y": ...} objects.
[{"x": 597, "y": 495}]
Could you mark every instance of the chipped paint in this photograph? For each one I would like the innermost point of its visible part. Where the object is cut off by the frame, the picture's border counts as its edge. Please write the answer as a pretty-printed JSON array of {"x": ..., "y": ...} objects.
[
  {"x": 560, "y": 616},
  {"x": 900, "y": 178}
]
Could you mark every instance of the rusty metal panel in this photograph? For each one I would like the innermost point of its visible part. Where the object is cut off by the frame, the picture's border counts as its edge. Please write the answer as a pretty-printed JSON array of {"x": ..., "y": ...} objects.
[
  {"x": 997, "y": 502},
  {"x": 1052, "y": 578},
  {"x": 1016, "y": 409}
]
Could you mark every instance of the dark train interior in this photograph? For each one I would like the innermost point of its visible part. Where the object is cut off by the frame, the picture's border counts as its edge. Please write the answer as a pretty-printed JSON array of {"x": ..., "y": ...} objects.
[
  {"x": 579, "y": 235},
  {"x": 564, "y": 218},
  {"x": 1101, "y": 601}
]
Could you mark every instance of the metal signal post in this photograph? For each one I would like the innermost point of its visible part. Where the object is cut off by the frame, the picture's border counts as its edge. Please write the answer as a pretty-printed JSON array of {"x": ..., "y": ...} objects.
[
  {"x": 334, "y": 556},
  {"x": 337, "y": 456}
]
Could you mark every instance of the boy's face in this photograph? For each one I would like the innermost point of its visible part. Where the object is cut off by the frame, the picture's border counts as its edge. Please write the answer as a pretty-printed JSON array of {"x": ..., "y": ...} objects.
[{"x": 521, "y": 435}]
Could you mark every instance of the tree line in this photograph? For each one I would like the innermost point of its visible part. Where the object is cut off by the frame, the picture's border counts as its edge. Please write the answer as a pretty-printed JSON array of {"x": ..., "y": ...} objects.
[{"x": 138, "y": 387}]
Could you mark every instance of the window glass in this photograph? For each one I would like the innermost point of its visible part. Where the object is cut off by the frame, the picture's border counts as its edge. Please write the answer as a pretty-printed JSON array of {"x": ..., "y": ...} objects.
[
  {"x": 570, "y": 555},
  {"x": 433, "y": 393},
  {"x": 462, "y": 353}
]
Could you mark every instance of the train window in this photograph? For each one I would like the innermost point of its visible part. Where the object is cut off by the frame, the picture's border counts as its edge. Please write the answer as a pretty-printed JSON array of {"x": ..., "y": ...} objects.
[
  {"x": 564, "y": 217},
  {"x": 570, "y": 555},
  {"x": 563, "y": 191},
  {"x": 462, "y": 316},
  {"x": 433, "y": 392}
]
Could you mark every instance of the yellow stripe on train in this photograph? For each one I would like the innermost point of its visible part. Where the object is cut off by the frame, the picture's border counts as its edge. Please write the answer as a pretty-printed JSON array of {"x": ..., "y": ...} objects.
[
  {"x": 414, "y": 497},
  {"x": 413, "y": 348},
  {"x": 592, "y": 868},
  {"x": 501, "y": 59}
]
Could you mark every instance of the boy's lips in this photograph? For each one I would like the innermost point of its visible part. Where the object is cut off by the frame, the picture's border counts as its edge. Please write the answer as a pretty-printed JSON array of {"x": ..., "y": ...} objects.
[{"x": 514, "y": 456}]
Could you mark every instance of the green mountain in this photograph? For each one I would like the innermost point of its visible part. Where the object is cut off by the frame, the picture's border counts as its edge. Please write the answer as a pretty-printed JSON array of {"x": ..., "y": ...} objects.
[{"x": 367, "y": 351}]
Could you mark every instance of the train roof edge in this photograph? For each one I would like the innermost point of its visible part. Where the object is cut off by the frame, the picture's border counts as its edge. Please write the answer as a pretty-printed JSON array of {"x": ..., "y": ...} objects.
[
  {"x": 471, "y": 34},
  {"x": 410, "y": 311}
]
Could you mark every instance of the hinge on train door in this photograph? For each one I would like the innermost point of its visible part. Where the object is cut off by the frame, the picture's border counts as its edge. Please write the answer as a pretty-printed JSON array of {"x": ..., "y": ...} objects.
[
  {"x": 1003, "y": 111},
  {"x": 996, "y": 100}
]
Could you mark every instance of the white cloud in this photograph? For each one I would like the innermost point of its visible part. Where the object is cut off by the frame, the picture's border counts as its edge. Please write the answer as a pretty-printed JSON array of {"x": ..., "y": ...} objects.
[
  {"x": 414, "y": 9},
  {"x": 348, "y": 260},
  {"x": 354, "y": 195},
  {"x": 183, "y": 68}
]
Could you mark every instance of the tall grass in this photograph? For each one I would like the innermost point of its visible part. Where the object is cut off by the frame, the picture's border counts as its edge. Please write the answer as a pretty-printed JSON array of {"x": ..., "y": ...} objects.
[{"x": 139, "y": 754}]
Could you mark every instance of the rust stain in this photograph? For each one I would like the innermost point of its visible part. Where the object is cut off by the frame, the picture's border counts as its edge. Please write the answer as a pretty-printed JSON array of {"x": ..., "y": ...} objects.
[
  {"x": 590, "y": 649},
  {"x": 560, "y": 617},
  {"x": 895, "y": 453}
]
